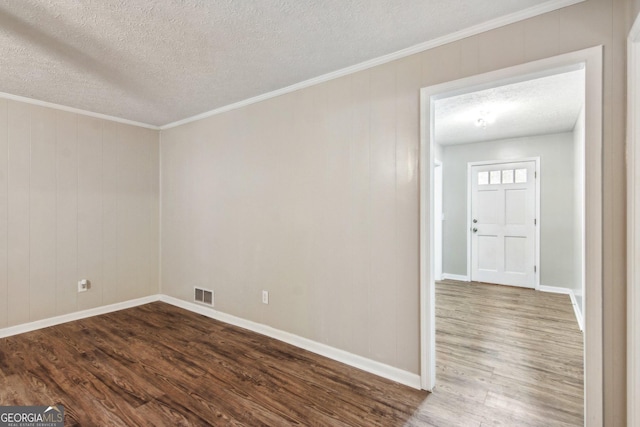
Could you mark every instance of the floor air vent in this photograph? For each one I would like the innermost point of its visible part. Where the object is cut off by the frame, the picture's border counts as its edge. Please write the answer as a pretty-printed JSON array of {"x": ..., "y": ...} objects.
[{"x": 203, "y": 296}]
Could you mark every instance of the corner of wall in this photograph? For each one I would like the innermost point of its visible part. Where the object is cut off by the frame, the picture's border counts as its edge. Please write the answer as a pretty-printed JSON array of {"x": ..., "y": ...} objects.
[{"x": 159, "y": 211}]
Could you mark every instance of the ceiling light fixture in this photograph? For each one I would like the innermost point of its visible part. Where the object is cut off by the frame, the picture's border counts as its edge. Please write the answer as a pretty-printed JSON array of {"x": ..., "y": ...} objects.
[{"x": 486, "y": 118}]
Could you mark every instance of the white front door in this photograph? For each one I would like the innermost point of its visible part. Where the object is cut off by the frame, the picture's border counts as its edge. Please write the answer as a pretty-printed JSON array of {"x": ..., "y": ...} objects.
[{"x": 503, "y": 223}]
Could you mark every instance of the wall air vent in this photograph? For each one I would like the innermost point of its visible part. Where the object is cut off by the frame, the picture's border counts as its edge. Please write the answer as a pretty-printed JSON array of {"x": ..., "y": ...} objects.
[{"x": 204, "y": 296}]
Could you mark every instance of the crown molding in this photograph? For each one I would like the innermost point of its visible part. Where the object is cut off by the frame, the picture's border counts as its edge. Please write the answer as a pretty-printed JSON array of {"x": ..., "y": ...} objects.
[
  {"x": 76, "y": 110},
  {"x": 531, "y": 12}
]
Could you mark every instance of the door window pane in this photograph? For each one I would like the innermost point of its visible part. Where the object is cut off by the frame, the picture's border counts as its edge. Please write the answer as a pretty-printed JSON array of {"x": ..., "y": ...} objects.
[
  {"x": 507, "y": 176},
  {"x": 521, "y": 176},
  {"x": 494, "y": 177},
  {"x": 483, "y": 178}
]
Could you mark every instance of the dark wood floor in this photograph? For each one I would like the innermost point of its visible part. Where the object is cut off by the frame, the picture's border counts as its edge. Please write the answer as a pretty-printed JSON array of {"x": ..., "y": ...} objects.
[{"x": 158, "y": 365}]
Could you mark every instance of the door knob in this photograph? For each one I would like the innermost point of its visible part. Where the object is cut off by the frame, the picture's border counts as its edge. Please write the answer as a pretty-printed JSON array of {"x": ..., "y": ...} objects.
[{"x": 475, "y": 229}]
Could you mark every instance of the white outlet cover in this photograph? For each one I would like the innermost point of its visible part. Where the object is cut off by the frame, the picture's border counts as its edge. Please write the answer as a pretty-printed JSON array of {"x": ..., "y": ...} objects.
[
  {"x": 265, "y": 297},
  {"x": 83, "y": 285}
]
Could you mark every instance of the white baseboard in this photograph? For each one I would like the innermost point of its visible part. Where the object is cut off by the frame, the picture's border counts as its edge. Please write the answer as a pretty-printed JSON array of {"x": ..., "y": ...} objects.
[
  {"x": 52, "y": 321},
  {"x": 458, "y": 277},
  {"x": 368, "y": 365},
  {"x": 577, "y": 311},
  {"x": 567, "y": 291},
  {"x": 555, "y": 289}
]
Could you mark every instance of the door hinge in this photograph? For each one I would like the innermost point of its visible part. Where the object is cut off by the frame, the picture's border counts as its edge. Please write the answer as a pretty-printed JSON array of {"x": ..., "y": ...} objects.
[
  {"x": 535, "y": 221},
  {"x": 535, "y": 174},
  {"x": 535, "y": 268}
]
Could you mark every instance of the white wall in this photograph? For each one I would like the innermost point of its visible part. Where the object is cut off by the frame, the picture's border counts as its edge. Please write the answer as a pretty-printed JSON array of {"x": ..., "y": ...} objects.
[
  {"x": 437, "y": 154},
  {"x": 78, "y": 199},
  {"x": 557, "y": 252}
]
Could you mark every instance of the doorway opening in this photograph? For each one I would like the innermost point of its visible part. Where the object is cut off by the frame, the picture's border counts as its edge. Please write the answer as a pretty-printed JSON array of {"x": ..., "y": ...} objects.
[{"x": 589, "y": 61}]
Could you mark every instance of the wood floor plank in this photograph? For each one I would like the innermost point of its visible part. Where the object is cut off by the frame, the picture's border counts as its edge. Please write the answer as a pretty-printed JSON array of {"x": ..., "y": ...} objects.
[{"x": 505, "y": 357}]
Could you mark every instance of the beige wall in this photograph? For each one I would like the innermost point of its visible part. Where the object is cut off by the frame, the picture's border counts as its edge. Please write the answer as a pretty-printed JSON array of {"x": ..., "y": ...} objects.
[
  {"x": 313, "y": 195},
  {"x": 78, "y": 199},
  {"x": 633, "y": 11}
]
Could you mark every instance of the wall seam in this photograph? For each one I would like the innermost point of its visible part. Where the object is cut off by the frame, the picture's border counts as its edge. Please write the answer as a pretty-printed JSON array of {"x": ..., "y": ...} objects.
[
  {"x": 55, "y": 207},
  {"x": 369, "y": 228},
  {"x": 159, "y": 230},
  {"x": 117, "y": 213},
  {"x": 7, "y": 259},
  {"x": 77, "y": 206},
  {"x": 29, "y": 206},
  {"x": 395, "y": 209},
  {"x": 102, "y": 173}
]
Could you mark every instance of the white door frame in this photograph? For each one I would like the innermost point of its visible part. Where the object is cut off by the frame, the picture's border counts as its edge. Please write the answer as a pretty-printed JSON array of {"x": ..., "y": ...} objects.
[
  {"x": 537, "y": 229},
  {"x": 633, "y": 225},
  {"x": 438, "y": 218},
  {"x": 591, "y": 59}
]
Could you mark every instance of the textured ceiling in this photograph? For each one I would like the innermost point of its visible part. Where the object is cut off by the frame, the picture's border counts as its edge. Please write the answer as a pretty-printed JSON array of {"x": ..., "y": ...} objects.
[
  {"x": 533, "y": 107},
  {"x": 159, "y": 61}
]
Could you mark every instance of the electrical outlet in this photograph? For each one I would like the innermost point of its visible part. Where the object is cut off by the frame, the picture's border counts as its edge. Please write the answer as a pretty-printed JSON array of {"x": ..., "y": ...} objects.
[
  {"x": 83, "y": 285},
  {"x": 265, "y": 297}
]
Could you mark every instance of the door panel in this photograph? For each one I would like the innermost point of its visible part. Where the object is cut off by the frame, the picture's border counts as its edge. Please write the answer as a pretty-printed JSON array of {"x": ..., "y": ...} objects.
[
  {"x": 515, "y": 207},
  {"x": 515, "y": 254},
  {"x": 503, "y": 208},
  {"x": 487, "y": 253},
  {"x": 487, "y": 213}
]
